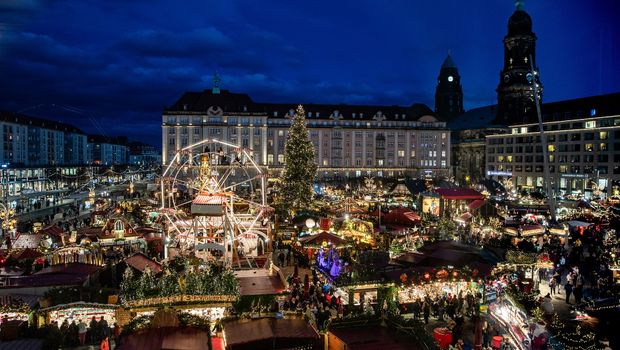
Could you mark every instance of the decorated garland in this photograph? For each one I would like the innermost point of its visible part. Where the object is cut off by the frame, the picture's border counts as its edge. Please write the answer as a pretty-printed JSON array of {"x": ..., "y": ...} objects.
[
  {"x": 190, "y": 282},
  {"x": 17, "y": 306}
]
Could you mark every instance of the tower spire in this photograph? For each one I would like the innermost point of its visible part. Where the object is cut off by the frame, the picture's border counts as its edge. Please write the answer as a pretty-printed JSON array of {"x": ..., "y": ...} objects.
[
  {"x": 519, "y": 4},
  {"x": 216, "y": 84}
]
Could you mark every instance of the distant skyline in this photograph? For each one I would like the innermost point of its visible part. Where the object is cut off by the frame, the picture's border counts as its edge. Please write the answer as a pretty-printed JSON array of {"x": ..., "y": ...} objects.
[{"x": 113, "y": 65}]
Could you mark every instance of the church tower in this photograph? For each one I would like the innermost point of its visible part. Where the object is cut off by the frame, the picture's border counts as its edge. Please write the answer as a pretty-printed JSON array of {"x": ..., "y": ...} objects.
[
  {"x": 515, "y": 92},
  {"x": 449, "y": 93}
]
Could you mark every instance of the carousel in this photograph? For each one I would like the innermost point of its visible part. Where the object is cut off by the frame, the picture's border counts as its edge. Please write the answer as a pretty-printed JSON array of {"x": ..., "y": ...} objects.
[{"x": 213, "y": 201}]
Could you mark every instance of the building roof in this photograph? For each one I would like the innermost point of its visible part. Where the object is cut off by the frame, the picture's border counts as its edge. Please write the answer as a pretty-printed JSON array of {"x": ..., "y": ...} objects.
[
  {"x": 18, "y": 118},
  {"x": 227, "y": 102}
]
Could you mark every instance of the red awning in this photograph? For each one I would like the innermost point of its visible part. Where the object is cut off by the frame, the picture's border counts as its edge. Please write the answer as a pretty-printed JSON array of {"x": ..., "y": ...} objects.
[
  {"x": 465, "y": 216},
  {"x": 27, "y": 254},
  {"x": 476, "y": 204},
  {"x": 459, "y": 193}
]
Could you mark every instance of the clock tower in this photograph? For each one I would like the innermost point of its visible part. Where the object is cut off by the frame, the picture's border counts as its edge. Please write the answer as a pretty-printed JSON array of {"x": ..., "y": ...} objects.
[
  {"x": 449, "y": 93},
  {"x": 515, "y": 92}
]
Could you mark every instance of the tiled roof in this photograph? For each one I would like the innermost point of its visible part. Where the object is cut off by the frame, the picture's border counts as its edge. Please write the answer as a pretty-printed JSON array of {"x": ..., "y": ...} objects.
[{"x": 230, "y": 102}]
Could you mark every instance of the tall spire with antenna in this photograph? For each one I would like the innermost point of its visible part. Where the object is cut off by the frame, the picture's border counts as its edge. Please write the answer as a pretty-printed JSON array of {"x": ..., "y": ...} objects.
[
  {"x": 519, "y": 4},
  {"x": 216, "y": 84}
]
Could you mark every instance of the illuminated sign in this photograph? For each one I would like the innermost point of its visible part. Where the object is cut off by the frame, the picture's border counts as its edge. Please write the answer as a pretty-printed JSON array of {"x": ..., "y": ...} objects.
[{"x": 499, "y": 173}]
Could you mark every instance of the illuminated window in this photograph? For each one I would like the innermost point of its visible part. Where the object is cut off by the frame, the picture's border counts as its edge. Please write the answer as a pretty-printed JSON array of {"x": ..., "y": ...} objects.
[
  {"x": 270, "y": 159},
  {"x": 412, "y": 153},
  {"x": 509, "y": 159},
  {"x": 551, "y": 148},
  {"x": 524, "y": 130},
  {"x": 589, "y": 147},
  {"x": 379, "y": 162},
  {"x": 591, "y": 124},
  {"x": 602, "y": 147},
  {"x": 280, "y": 132},
  {"x": 401, "y": 153},
  {"x": 500, "y": 159},
  {"x": 602, "y": 135}
]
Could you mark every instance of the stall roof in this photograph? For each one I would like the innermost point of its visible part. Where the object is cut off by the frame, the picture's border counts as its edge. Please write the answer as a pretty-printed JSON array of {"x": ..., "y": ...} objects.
[
  {"x": 260, "y": 286},
  {"x": 374, "y": 337},
  {"x": 476, "y": 204},
  {"x": 27, "y": 241},
  {"x": 26, "y": 254},
  {"x": 244, "y": 331},
  {"x": 575, "y": 223},
  {"x": 140, "y": 261},
  {"x": 459, "y": 193},
  {"x": 52, "y": 230},
  {"x": 322, "y": 237}
]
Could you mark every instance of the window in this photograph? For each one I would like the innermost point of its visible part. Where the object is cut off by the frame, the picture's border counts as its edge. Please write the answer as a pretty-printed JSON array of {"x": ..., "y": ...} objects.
[
  {"x": 379, "y": 162},
  {"x": 280, "y": 132},
  {"x": 591, "y": 124},
  {"x": 270, "y": 159},
  {"x": 280, "y": 158},
  {"x": 588, "y": 147},
  {"x": 401, "y": 153},
  {"x": 602, "y": 147}
]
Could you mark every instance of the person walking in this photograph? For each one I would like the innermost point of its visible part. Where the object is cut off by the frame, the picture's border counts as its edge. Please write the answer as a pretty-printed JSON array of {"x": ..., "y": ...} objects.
[
  {"x": 568, "y": 288},
  {"x": 552, "y": 286},
  {"x": 426, "y": 309}
]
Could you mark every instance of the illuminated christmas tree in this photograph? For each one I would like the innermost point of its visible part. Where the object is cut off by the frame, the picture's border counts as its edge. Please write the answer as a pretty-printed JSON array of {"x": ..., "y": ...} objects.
[{"x": 296, "y": 189}]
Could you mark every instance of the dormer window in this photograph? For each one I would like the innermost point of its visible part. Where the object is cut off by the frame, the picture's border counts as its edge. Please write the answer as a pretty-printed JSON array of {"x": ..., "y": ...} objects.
[
  {"x": 318, "y": 114},
  {"x": 353, "y": 115},
  {"x": 184, "y": 107},
  {"x": 309, "y": 114},
  {"x": 275, "y": 114}
]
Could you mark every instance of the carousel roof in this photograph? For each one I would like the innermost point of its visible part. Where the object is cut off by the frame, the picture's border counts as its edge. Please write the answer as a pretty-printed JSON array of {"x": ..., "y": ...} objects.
[{"x": 319, "y": 238}]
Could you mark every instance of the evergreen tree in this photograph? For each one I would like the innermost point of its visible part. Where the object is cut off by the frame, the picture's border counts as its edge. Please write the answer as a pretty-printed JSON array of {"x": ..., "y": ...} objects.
[{"x": 296, "y": 189}]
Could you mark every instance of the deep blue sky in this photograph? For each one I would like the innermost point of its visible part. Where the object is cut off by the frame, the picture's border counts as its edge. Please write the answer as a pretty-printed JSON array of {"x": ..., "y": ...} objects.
[{"x": 121, "y": 61}]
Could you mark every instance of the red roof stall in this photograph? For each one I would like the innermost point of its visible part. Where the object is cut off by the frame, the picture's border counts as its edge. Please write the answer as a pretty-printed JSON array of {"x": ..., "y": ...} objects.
[{"x": 449, "y": 196}]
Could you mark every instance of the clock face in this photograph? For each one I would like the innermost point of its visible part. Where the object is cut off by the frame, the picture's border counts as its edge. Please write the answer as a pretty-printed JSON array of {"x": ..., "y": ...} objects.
[
  {"x": 529, "y": 77},
  {"x": 506, "y": 78},
  {"x": 450, "y": 78}
]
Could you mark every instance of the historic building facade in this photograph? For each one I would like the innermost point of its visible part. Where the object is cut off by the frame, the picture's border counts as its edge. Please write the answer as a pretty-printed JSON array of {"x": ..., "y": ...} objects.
[
  {"x": 515, "y": 92},
  {"x": 583, "y": 143},
  {"x": 349, "y": 141},
  {"x": 29, "y": 141}
]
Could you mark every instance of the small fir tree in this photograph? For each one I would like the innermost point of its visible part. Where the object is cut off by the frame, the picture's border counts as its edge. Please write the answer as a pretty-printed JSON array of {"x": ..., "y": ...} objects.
[{"x": 296, "y": 189}]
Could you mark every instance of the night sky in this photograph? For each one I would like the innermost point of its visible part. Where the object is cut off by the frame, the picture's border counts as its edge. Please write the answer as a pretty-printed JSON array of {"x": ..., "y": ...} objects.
[{"x": 114, "y": 64}]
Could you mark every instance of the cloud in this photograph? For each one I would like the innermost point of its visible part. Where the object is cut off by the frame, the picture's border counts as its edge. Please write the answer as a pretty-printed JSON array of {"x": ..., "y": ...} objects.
[{"x": 170, "y": 44}]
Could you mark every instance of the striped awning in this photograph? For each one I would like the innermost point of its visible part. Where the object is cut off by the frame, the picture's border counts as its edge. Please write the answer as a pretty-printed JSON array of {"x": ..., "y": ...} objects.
[{"x": 209, "y": 199}]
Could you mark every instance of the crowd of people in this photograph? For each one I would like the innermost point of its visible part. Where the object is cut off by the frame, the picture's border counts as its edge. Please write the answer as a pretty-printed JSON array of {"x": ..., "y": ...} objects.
[
  {"x": 315, "y": 299},
  {"x": 80, "y": 333}
]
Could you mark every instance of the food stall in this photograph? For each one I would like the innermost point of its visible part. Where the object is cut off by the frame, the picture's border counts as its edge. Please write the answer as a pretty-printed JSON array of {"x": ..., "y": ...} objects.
[{"x": 79, "y": 311}]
